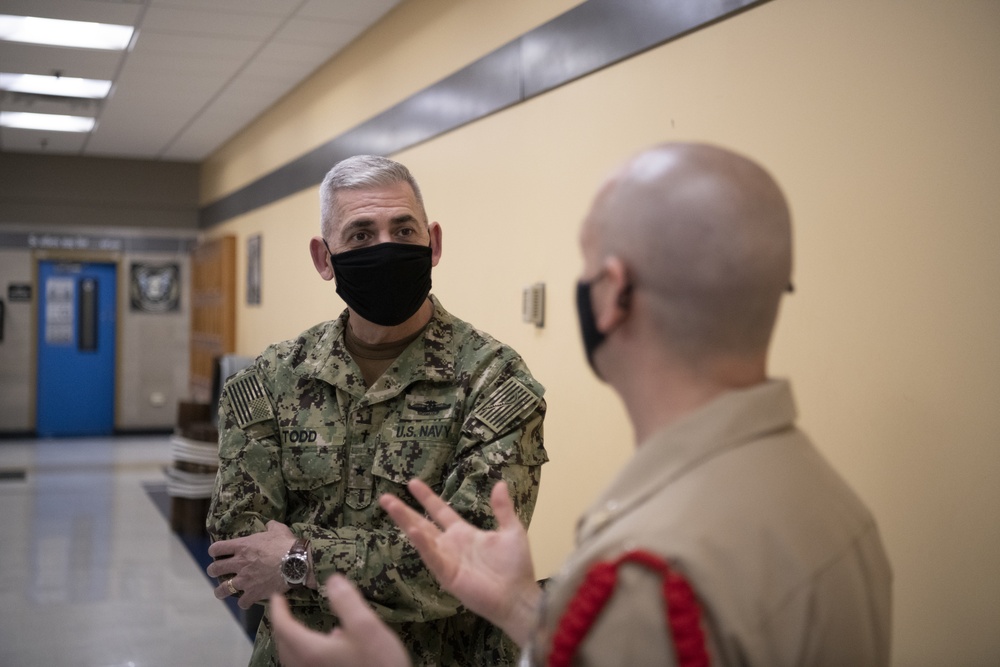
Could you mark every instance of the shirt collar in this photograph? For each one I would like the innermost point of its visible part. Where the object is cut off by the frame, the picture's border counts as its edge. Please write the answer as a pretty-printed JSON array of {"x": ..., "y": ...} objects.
[
  {"x": 730, "y": 420},
  {"x": 429, "y": 357}
]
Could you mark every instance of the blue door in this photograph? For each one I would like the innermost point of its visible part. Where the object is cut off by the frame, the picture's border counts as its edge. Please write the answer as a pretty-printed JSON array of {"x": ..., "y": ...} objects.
[{"x": 76, "y": 349}]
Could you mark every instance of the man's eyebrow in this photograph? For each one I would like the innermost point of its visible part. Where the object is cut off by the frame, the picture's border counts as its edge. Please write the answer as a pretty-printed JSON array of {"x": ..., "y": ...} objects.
[
  {"x": 367, "y": 223},
  {"x": 350, "y": 227},
  {"x": 403, "y": 219}
]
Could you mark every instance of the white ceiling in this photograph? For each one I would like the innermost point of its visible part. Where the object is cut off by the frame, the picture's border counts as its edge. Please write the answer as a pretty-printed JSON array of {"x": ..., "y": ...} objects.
[{"x": 198, "y": 70}]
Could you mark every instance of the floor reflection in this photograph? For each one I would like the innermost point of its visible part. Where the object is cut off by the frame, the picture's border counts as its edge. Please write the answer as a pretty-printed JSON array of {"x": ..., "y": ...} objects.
[{"x": 90, "y": 573}]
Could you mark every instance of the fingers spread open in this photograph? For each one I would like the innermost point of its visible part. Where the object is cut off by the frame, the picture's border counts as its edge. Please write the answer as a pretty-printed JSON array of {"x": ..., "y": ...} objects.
[
  {"x": 347, "y": 603},
  {"x": 422, "y": 533},
  {"x": 290, "y": 635},
  {"x": 503, "y": 506},
  {"x": 436, "y": 507},
  {"x": 402, "y": 514}
]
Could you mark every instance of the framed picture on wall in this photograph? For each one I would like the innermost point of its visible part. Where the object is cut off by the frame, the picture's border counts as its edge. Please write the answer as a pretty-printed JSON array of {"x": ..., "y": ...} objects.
[
  {"x": 253, "y": 270},
  {"x": 155, "y": 288}
]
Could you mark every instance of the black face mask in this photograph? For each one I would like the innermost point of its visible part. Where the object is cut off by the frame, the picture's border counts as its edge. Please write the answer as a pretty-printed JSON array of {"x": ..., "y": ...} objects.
[
  {"x": 592, "y": 337},
  {"x": 384, "y": 283}
]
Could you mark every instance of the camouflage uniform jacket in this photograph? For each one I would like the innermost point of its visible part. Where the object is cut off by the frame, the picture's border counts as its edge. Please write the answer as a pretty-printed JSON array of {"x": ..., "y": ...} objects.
[{"x": 302, "y": 441}]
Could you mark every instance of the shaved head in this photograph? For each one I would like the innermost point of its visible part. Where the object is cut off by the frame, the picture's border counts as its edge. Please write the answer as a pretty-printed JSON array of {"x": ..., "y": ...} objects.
[{"x": 705, "y": 235}]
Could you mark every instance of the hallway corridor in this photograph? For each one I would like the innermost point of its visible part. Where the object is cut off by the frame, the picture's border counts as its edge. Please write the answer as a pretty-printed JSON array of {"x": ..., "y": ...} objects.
[{"x": 90, "y": 573}]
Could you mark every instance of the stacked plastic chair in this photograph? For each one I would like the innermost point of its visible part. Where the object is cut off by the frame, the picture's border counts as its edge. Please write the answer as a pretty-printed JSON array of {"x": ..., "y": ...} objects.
[{"x": 195, "y": 454}]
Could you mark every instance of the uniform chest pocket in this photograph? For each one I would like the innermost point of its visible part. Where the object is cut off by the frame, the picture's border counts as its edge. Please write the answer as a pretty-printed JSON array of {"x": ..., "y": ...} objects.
[
  {"x": 421, "y": 448},
  {"x": 308, "y": 462}
]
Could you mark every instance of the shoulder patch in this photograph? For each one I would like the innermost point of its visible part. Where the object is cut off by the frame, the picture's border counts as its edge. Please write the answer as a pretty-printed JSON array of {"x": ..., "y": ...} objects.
[
  {"x": 505, "y": 405},
  {"x": 250, "y": 403}
]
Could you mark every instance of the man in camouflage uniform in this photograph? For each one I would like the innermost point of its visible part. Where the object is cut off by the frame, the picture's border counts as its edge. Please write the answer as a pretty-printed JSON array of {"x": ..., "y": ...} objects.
[
  {"x": 727, "y": 538},
  {"x": 395, "y": 388}
]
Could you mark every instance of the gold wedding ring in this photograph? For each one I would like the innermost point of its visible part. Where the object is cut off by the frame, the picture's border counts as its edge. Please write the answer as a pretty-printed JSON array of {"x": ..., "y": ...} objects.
[{"x": 232, "y": 589}]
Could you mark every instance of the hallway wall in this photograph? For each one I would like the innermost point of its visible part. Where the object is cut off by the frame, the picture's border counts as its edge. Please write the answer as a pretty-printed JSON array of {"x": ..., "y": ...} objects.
[
  {"x": 39, "y": 189},
  {"x": 112, "y": 210},
  {"x": 151, "y": 365},
  {"x": 879, "y": 120}
]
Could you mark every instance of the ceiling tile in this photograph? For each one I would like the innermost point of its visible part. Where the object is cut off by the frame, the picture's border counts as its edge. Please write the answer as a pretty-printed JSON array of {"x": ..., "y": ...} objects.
[
  {"x": 273, "y": 7},
  {"x": 198, "y": 72},
  {"x": 149, "y": 62},
  {"x": 361, "y": 12},
  {"x": 197, "y": 91},
  {"x": 318, "y": 31},
  {"x": 241, "y": 103},
  {"x": 169, "y": 46},
  {"x": 209, "y": 22},
  {"x": 288, "y": 61}
]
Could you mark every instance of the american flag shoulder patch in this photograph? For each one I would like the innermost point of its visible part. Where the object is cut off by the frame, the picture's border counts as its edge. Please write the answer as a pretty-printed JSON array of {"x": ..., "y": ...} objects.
[
  {"x": 250, "y": 403},
  {"x": 505, "y": 405}
]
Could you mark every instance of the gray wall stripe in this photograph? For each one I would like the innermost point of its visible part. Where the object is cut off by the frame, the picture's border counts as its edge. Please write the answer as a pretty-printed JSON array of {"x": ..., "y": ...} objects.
[{"x": 589, "y": 37}]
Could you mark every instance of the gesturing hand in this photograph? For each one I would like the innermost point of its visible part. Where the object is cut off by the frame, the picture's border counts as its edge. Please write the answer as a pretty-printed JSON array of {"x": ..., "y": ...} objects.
[
  {"x": 361, "y": 640},
  {"x": 489, "y": 571}
]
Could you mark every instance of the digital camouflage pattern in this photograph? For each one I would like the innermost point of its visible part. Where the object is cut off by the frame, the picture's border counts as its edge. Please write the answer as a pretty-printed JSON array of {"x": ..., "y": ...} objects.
[{"x": 303, "y": 442}]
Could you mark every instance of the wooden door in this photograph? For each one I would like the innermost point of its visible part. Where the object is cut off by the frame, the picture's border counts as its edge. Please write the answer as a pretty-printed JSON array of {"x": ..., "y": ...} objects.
[{"x": 213, "y": 311}]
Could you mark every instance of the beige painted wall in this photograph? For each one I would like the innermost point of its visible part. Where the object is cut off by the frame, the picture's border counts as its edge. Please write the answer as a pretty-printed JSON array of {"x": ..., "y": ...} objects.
[
  {"x": 878, "y": 117},
  {"x": 17, "y": 359},
  {"x": 153, "y": 351}
]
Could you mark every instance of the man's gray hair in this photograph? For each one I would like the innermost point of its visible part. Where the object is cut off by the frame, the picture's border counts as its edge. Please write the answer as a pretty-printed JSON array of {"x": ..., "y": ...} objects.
[{"x": 361, "y": 172}]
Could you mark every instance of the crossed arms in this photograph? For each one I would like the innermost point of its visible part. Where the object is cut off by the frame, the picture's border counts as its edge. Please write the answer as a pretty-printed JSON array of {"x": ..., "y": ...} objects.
[{"x": 490, "y": 572}]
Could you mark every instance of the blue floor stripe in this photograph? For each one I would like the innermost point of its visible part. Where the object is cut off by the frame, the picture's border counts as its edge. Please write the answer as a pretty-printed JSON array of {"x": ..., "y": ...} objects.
[{"x": 198, "y": 548}]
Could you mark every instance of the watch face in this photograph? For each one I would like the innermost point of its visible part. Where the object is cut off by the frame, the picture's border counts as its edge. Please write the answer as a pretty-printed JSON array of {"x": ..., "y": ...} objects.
[{"x": 294, "y": 569}]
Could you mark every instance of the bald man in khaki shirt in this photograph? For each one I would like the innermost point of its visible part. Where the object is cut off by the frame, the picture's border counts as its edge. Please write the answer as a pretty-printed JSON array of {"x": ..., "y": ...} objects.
[
  {"x": 786, "y": 561},
  {"x": 726, "y": 508}
]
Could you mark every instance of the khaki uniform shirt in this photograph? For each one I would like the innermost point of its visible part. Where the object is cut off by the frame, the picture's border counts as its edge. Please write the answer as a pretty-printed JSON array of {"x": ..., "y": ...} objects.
[
  {"x": 785, "y": 560},
  {"x": 304, "y": 442}
]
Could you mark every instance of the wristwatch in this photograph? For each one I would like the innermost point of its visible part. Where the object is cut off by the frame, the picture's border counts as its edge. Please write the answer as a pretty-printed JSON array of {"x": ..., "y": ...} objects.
[{"x": 295, "y": 564}]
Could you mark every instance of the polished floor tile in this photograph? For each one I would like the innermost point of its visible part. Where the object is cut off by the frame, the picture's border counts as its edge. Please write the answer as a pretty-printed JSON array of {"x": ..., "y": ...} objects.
[{"x": 90, "y": 573}]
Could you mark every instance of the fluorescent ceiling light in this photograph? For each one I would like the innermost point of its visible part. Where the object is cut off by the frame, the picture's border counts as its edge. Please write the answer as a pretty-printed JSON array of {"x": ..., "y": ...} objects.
[
  {"x": 56, "y": 32},
  {"x": 46, "y": 121},
  {"x": 65, "y": 86}
]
